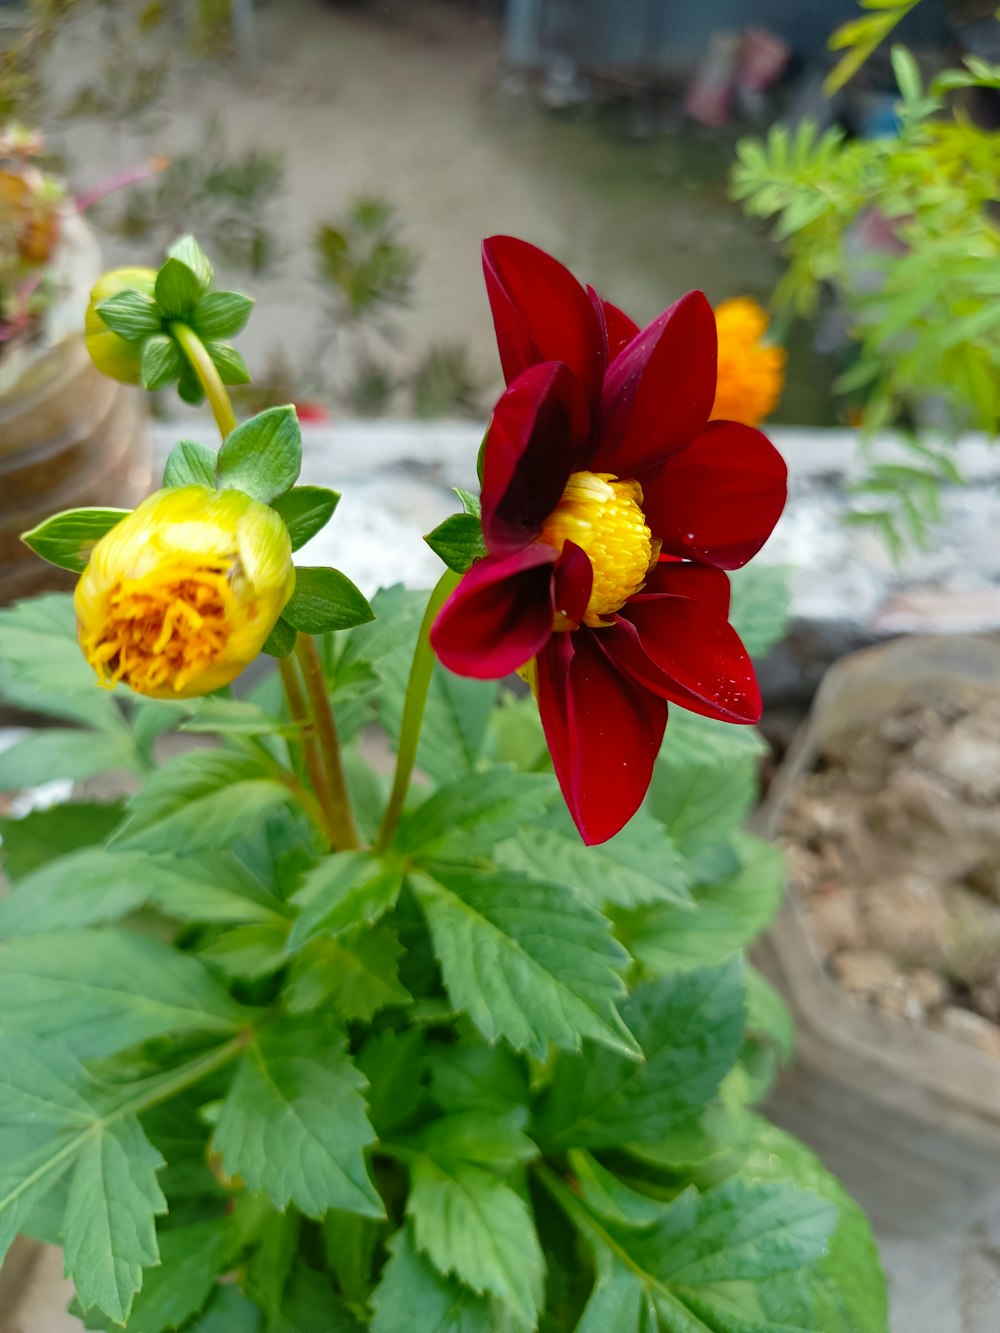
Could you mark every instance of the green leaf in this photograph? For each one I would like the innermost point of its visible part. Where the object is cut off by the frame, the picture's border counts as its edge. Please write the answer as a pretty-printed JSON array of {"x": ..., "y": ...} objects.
[
  {"x": 59, "y": 753},
  {"x": 761, "y": 598},
  {"x": 696, "y": 1268},
  {"x": 270, "y": 1267},
  {"x": 45, "y": 834},
  {"x": 485, "y": 1137},
  {"x": 228, "y": 362},
  {"x": 350, "y": 1242},
  {"x": 414, "y": 1295},
  {"x": 101, "y": 991},
  {"x": 109, "y": 1232},
  {"x": 67, "y": 539},
  {"x": 689, "y": 1027},
  {"x": 202, "y": 799},
  {"x": 768, "y": 1016},
  {"x": 229, "y": 1311},
  {"x": 42, "y": 668},
  {"x": 847, "y": 1284},
  {"x": 95, "y": 885},
  {"x": 467, "y": 818},
  {"x": 528, "y": 961},
  {"x": 478, "y": 1078},
  {"x": 281, "y": 641},
  {"x": 221, "y": 314},
  {"x": 608, "y": 1197},
  {"x": 233, "y": 717},
  {"x": 353, "y": 980},
  {"x": 294, "y": 1123},
  {"x": 249, "y": 952},
  {"x": 189, "y": 253},
  {"x": 393, "y": 1063},
  {"x": 701, "y": 804},
  {"x": 263, "y": 455},
  {"x": 346, "y": 890},
  {"x": 191, "y": 1260},
  {"x": 457, "y": 714},
  {"x": 458, "y": 541},
  {"x": 190, "y": 464},
  {"x": 729, "y": 913},
  {"x": 312, "y": 1306},
  {"x": 640, "y": 865},
  {"x": 306, "y": 511},
  {"x": 162, "y": 361},
  {"x": 324, "y": 599},
  {"x": 471, "y": 1224},
  {"x": 131, "y": 314},
  {"x": 178, "y": 290}
]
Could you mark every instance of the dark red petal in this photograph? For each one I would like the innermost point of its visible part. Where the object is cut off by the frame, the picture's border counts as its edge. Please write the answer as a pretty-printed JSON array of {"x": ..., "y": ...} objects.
[
  {"x": 687, "y": 652},
  {"x": 574, "y": 582},
  {"x": 541, "y": 313},
  {"x": 659, "y": 391},
  {"x": 499, "y": 616},
  {"x": 619, "y": 327},
  {"x": 678, "y": 578},
  {"x": 719, "y": 500},
  {"x": 536, "y": 438},
  {"x": 603, "y": 730}
]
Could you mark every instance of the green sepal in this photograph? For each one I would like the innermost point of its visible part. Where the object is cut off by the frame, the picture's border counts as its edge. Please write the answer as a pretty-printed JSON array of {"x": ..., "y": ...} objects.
[
  {"x": 190, "y": 464},
  {"x": 458, "y": 541},
  {"x": 323, "y": 600},
  {"x": 281, "y": 641},
  {"x": 306, "y": 511},
  {"x": 481, "y": 456},
  {"x": 228, "y": 362},
  {"x": 189, "y": 253},
  {"x": 161, "y": 363},
  {"x": 178, "y": 289},
  {"x": 471, "y": 504},
  {"x": 67, "y": 539},
  {"x": 221, "y": 314},
  {"x": 189, "y": 387},
  {"x": 131, "y": 314},
  {"x": 262, "y": 457}
]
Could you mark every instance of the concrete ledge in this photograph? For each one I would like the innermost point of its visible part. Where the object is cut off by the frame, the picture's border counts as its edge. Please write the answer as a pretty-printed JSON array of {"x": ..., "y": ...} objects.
[{"x": 846, "y": 592}]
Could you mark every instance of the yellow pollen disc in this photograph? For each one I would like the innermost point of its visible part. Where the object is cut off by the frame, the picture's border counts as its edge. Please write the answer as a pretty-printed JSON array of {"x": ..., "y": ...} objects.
[
  {"x": 167, "y": 626},
  {"x": 604, "y": 517}
]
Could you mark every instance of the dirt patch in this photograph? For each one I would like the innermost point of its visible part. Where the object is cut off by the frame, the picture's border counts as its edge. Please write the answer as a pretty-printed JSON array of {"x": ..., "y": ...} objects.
[{"x": 894, "y": 849}]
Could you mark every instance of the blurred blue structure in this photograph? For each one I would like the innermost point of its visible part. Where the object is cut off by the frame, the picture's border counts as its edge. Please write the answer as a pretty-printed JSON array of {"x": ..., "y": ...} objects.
[{"x": 650, "y": 38}]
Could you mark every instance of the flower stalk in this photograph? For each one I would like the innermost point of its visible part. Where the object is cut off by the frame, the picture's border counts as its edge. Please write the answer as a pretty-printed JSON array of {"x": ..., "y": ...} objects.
[
  {"x": 299, "y": 709},
  {"x": 345, "y": 833},
  {"x": 417, "y": 686},
  {"x": 208, "y": 377}
]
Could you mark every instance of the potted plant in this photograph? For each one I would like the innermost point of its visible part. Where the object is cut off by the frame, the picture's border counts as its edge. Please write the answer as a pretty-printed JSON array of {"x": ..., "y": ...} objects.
[
  {"x": 68, "y": 435},
  {"x": 288, "y": 1044}
]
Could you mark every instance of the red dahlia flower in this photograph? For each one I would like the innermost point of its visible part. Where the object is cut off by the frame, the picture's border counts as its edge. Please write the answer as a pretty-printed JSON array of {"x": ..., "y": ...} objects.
[{"x": 611, "y": 506}]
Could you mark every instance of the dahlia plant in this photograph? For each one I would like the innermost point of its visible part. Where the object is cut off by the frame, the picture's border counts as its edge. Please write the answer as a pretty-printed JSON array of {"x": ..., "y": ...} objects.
[{"x": 293, "y": 1045}]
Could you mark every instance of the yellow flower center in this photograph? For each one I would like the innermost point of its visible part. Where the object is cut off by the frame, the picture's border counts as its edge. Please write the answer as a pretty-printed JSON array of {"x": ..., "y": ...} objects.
[
  {"x": 166, "y": 626},
  {"x": 604, "y": 517}
]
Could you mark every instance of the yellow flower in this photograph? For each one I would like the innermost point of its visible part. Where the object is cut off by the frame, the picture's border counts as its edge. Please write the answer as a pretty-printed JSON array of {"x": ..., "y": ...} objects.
[
  {"x": 751, "y": 371},
  {"x": 111, "y": 354},
  {"x": 180, "y": 596}
]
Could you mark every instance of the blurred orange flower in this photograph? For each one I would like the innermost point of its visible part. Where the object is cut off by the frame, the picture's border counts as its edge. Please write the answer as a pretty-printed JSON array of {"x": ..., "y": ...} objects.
[{"x": 751, "y": 371}]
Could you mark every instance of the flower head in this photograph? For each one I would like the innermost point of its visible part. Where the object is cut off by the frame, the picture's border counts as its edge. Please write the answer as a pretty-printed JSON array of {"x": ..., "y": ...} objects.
[
  {"x": 751, "y": 371},
  {"x": 611, "y": 507},
  {"x": 110, "y": 353},
  {"x": 181, "y": 595}
]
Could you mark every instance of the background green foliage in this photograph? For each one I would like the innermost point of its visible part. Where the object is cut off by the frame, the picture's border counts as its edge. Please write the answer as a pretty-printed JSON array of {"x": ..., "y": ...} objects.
[{"x": 924, "y": 316}]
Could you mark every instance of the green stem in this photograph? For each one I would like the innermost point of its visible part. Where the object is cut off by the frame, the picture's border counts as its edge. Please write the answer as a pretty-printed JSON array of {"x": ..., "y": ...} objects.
[
  {"x": 208, "y": 377},
  {"x": 299, "y": 710},
  {"x": 341, "y": 814},
  {"x": 417, "y": 686}
]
